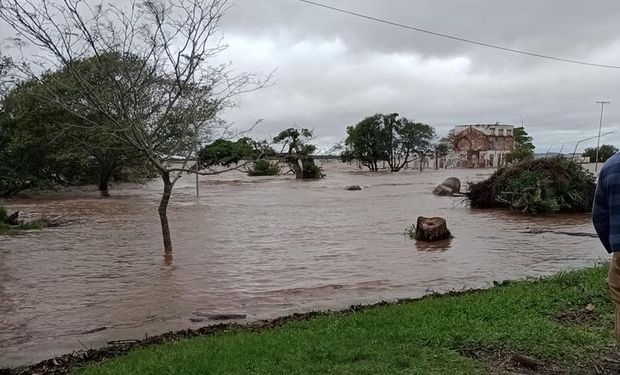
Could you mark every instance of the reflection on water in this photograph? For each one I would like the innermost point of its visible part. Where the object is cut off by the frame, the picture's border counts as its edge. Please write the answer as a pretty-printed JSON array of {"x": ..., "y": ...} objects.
[
  {"x": 258, "y": 246},
  {"x": 434, "y": 246}
]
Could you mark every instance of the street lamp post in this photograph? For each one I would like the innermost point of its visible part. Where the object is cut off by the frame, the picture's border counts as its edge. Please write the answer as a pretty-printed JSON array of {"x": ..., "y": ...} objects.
[
  {"x": 518, "y": 114},
  {"x": 598, "y": 142},
  {"x": 587, "y": 139}
]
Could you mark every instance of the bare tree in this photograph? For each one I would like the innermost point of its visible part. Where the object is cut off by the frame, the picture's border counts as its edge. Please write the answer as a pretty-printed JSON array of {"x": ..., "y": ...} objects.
[{"x": 163, "y": 92}]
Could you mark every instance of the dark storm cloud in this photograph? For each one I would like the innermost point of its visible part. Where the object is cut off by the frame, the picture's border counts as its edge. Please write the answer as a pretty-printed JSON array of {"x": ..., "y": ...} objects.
[{"x": 335, "y": 69}]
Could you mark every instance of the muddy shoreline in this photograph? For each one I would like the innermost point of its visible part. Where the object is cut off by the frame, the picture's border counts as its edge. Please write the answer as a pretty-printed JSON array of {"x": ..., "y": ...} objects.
[{"x": 63, "y": 364}]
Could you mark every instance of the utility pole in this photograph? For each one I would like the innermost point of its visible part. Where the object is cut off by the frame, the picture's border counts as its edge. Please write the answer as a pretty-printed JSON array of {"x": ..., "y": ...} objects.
[
  {"x": 598, "y": 142},
  {"x": 197, "y": 147}
]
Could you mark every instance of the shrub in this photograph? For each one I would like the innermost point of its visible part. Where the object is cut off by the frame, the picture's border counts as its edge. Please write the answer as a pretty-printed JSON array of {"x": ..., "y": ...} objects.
[
  {"x": 311, "y": 170},
  {"x": 262, "y": 167}
]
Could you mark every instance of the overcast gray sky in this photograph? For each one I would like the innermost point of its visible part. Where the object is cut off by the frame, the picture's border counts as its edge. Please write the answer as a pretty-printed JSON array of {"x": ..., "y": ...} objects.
[{"x": 334, "y": 69}]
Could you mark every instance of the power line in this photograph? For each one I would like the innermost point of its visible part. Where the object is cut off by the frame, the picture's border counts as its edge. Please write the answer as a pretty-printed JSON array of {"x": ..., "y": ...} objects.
[{"x": 392, "y": 23}]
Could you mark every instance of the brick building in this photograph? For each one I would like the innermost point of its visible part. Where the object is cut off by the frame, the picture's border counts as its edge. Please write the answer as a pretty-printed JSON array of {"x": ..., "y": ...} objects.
[{"x": 482, "y": 145}]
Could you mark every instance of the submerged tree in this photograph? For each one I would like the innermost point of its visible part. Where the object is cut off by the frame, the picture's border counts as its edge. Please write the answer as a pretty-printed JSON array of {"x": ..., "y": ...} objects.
[
  {"x": 390, "y": 138},
  {"x": 164, "y": 95},
  {"x": 263, "y": 167},
  {"x": 365, "y": 144},
  {"x": 68, "y": 150},
  {"x": 296, "y": 152},
  {"x": 226, "y": 152},
  {"x": 442, "y": 150}
]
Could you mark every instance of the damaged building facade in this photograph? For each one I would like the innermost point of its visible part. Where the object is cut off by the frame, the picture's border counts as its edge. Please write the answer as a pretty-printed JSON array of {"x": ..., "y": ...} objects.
[{"x": 482, "y": 145}]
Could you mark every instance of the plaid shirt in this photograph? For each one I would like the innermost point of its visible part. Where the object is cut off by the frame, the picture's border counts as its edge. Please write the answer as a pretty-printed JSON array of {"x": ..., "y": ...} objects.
[{"x": 606, "y": 209}]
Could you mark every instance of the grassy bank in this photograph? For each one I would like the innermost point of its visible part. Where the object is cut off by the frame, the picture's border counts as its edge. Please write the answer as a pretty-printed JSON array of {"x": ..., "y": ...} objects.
[{"x": 547, "y": 320}]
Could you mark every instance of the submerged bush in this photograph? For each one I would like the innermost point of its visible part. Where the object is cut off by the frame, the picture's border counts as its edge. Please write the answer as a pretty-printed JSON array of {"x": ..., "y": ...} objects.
[
  {"x": 262, "y": 167},
  {"x": 538, "y": 186},
  {"x": 311, "y": 170},
  {"x": 7, "y": 225}
]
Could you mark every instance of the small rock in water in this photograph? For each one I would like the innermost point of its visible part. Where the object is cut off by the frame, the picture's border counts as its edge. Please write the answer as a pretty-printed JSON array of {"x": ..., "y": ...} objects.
[
  {"x": 218, "y": 316},
  {"x": 353, "y": 187},
  {"x": 226, "y": 316},
  {"x": 196, "y": 320},
  {"x": 442, "y": 191},
  {"x": 98, "y": 329}
]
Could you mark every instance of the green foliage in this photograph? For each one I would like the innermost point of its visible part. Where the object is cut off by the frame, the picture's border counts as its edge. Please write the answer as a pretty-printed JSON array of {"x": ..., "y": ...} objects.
[
  {"x": 387, "y": 138},
  {"x": 606, "y": 151},
  {"x": 6, "y": 77},
  {"x": 442, "y": 149},
  {"x": 9, "y": 227},
  {"x": 44, "y": 143},
  {"x": 296, "y": 152},
  {"x": 263, "y": 167},
  {"x": 426, "y": 336},
  {"x": 524, "y": 148},
  {"x": 365, "y": 143},
  {"x": 225, "y": 152},
  {"x": 540, "y": 186},
  {"x": 410, "y": 231},
  {"x": 311, "y": 170}
]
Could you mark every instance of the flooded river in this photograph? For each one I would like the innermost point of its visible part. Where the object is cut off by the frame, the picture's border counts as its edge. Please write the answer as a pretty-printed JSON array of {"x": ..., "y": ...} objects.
[{"x": 262, "y": 246}]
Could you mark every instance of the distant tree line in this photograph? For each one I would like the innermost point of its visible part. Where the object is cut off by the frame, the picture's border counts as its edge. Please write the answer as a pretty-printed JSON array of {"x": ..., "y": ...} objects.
[
  {"x": 43, "y": 144},
  {"x": 605, "y": 152}
]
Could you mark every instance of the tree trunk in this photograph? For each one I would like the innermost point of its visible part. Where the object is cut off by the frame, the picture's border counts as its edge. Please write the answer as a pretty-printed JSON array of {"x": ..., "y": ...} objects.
[
  {"x": 163, "y": 213},
  {"x": 104, "y": 177},
  {"x": 104, "y": 186},
  {"x": 299, "y": 172},
  {"x": 431, "y": 229}
]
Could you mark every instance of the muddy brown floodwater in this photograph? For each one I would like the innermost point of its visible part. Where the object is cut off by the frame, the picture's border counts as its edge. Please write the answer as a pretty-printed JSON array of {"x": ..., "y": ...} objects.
[{"x": 263, "y": 246}]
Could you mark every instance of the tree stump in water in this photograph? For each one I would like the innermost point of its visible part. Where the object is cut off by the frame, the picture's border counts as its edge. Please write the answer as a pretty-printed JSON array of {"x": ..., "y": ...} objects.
[{"x": 431, "y": 229}]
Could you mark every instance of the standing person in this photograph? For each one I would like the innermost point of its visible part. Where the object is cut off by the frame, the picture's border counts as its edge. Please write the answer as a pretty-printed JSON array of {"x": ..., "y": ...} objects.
[{"x": 606, "y": 219}]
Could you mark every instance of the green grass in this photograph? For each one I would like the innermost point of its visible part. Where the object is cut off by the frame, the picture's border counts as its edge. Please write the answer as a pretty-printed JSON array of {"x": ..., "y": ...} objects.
[{"x": 419, "y": 337}]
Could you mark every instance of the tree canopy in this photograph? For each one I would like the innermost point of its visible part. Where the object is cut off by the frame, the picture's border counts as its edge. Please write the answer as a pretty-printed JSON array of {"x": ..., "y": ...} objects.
[
  {"x": 296, "y": 152},
  {"x": 605, "y": 152},
  {"x": 390, "y": 138},
  {"x": 68, "y": 149},
  {"x": 523, "y": 148}
]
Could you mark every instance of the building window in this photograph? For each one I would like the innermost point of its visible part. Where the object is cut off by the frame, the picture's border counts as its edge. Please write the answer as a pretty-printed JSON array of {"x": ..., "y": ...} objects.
[
  {"x": 509, "y": 132},
  {"x": 501, "y": 132},
  {"x": 492, "y": 131}
]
